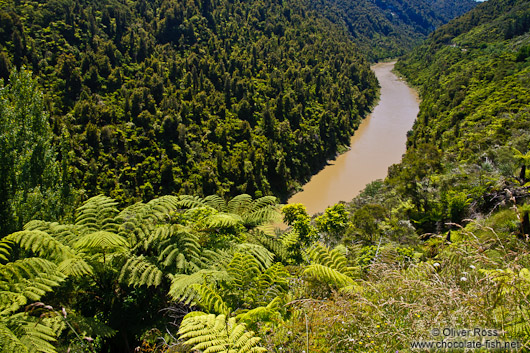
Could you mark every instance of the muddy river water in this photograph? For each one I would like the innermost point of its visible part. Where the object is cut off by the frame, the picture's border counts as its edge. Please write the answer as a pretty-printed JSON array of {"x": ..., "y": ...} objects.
[{"x": 378, "y": 143}]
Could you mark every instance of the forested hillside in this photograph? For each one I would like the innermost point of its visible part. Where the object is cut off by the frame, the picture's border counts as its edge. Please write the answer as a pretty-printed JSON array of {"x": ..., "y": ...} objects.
[
  {"x": 473, "y": 77},
  {"x": 442, "y": 242},
  {"x": 159, "y": 97},
  {"x": 391, "y": 28}
]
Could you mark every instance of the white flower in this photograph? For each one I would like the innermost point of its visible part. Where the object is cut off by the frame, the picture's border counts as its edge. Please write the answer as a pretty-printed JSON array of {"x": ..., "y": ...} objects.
[
  {"x": 472, "y": 267},
  {"x": 463, "y": 279}
]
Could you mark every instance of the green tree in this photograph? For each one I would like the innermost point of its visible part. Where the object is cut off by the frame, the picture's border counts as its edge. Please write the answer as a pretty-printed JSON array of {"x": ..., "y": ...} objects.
[
  {"x": 29, "y": 175},
  {"x": 334, "y": 221}
]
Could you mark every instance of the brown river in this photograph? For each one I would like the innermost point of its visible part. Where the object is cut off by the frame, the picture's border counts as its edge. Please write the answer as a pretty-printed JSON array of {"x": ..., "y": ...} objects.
[{"x": 378, "y": 143}]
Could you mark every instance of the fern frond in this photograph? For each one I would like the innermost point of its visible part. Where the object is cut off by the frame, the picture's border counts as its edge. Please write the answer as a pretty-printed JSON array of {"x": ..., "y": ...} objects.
[
  {"x": 335, "y": 259},
  {"x": 137, "y": 271},
  {"x": 75, "y": 266},
  {"x": 42, "y": 244},
  {"x": 215, "y": 202},
  {"x": 290, "y": 239},
  {"x": 9, "y": 342},
  {"x": 260, "y": 253},
  {"x": 181, "y": 285},
  {"x": 243, "y": 269},
  {"x": 262, "y": 314},
  {"x": 210, "y": 333},
  {"x": 209, "y": 299},
  {"x": 274, "y": 245},
  {"x": 188, "y": 201},
  {"x": 217, "y": 258},
  {"x": 27, "y": 268},
  {"x": 239, "y": 204},
  {"x": 101, "y": 241},
  {"x": 328, "y": 275},
  {"x": 164, "y": 205},
  {"x": 5, "y": 249},
  {"x": 33, "y": 334},
  {"x": 11, "y": 302},
  {"x": 98, "y": 214},
  {"x": 222, "y": 220},
  {"x": 65, "y": 233},
  {"x": 261, "y": 211}
]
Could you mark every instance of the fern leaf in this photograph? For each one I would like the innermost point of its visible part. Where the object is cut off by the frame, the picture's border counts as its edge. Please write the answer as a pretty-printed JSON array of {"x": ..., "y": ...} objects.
[
  {"x": 181, "y": 285},
  {"x": 42, "y": 244},
  {"x": 9, "y": 342},
  {"x": 5, "y": 250},
  {"x": 239, "y": 204},
  {"x": 98, "y": 214},
  {"x": 101, "y": 241},
  {"x": 243, "y": 269},
  {"x": 259, "y": 252},
  {"x": 34, "y": 335},
  {"x": 328, "y": 275},
  {"x": 210, "y": 300},
  {"x": 11, "y": 302},
  {"x": 222, "y": 220},
  {"x": 75, "y": 266},
  {"x": 210, "y": 333},
  {"x": 137, "y": 271}
]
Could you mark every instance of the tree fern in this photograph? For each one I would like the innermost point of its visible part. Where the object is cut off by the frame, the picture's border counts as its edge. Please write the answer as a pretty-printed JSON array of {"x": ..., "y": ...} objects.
[
  {"x": 98, "y": 214},
  {"x": 182, "y": 285},
  {"x": 101, "y": 241},
  {"x": 329, "y": 266},
  {"x": 138, "y": 271},
  {"x": 22, "y": 281},
  {"x": 208, "y": 299},
  {"x": 211, "y": 333}
]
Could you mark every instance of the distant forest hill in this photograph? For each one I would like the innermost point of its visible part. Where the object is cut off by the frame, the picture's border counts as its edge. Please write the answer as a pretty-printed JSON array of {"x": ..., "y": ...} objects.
[
  {"x": 200, "y": 97},
  {"x": 147, "y": 98},
  {"x": 390, "y": 28}
]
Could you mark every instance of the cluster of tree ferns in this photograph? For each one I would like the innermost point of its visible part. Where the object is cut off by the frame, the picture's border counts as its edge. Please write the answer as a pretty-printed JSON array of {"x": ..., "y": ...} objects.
[
  {"x": 203, "y": 97},
  {"x": 191, "y": 274},
  {"x": 391, "y": 28}
]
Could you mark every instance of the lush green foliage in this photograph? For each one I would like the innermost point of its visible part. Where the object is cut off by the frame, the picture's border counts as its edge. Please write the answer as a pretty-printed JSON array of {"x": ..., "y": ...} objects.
[
  {"x": 162, "y": 86},
  {"x": 115, "y": 269},
  {"x": 203, "y": 97},
  {"x": 390, "y": 28},
  {"x": 31, "y": 182},
  {"x": 475, "y": 98}
]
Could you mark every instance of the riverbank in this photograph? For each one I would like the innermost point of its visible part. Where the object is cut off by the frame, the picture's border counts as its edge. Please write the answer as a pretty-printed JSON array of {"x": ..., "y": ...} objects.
[{"x": 378, "y": 143}]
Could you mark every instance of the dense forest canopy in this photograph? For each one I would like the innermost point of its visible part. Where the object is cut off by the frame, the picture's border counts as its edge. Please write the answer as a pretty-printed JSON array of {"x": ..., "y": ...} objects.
[
  {"x": 474, "y": 82},
  {"x": 390, "y": 28},
  {"x": 203, "y": 97}
]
